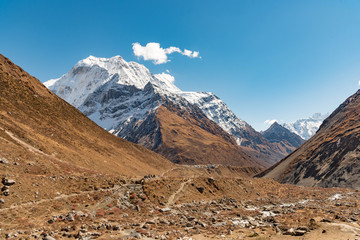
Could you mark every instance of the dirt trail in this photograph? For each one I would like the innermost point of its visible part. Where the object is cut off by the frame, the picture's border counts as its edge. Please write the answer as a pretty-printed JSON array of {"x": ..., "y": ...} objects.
[
  {"x": 62, "y": 196},
  {"x": 37, "y": 151},
  {"x": 24, "y": 144},
  {"x": 172, "y": 199}
]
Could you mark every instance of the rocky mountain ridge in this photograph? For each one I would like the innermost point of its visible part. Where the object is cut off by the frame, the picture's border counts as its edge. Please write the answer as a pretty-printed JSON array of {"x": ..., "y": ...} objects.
[
  {"x": 124, "y": 98},
  {"x": 331, "y": 157},
  {"x": 279, "y": 134}
]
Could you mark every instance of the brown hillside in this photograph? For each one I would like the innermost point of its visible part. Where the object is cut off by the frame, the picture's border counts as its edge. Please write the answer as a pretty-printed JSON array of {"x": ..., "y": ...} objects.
[
  {"x": 331, "y": 158},
  {"x": 37, "y": 126},
  {"x": 186, "y": 142}
]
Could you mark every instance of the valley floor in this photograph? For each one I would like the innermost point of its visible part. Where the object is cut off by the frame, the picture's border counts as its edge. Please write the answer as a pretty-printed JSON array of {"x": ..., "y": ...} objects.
[{"x": 173, "y": 207}]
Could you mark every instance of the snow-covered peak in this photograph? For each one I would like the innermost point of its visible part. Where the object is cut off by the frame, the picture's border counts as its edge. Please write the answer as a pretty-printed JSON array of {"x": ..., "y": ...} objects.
[
  {"x": 165, "y": 81},
  {"x": 115, "y": 93},
  {"x": 306, "y": 128},
  {"x": 92, "y": 72}
]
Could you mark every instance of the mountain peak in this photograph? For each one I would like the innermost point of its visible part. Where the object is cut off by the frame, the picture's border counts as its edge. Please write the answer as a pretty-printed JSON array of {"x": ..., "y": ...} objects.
[
  {"x": 278, "y": 133},
  {"x": 275, "y": 124},
  {"x": 101, "y": 62}
]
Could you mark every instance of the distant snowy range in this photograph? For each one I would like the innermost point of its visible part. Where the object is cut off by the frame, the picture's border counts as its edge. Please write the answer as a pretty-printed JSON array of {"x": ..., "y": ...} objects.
[{"x": 307, "y": 127}]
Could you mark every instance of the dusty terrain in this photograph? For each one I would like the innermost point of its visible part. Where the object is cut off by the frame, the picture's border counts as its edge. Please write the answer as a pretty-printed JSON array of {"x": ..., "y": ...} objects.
[{"x": 165, "y": 207}]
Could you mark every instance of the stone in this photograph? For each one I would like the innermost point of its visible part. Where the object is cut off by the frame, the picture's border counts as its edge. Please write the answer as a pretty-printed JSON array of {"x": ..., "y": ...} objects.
[
  {"x": 70, "y": 217},
  {"x": 303, "y": 228},
  {"x": 165, "y": 209},
  {"x": 200, "y": 189},
  {"x": 2, "y": 201},
  {"x": 8, "y": 182},
  {"x": 299, "y": 232},
  {"x": 95, "y": 234},
  {"x": 3, "y": 161},
  {"x": 326, "y": 220},
  {"x": 291, "y": 231},
  {"x": 48, "y": 238}
]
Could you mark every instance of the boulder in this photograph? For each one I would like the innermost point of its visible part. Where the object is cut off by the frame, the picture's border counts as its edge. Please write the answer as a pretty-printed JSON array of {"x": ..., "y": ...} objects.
[{"x": 8, "y": 182}]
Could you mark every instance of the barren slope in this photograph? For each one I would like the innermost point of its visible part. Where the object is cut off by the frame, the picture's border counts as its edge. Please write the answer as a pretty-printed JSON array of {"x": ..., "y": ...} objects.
[
  {"x": 331, "y": 158},
  {"x": 38, "y": 126},
  {"x": 185, "y": 142}
]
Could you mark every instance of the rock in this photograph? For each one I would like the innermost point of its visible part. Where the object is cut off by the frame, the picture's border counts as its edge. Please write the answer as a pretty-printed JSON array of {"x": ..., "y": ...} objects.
[
  {"x": 48, "y": 238},
  {"x": 165, "y": 209},
  {"x": 3, "y": 161},
  {"x": 95, "y": 234},
  {"x": 188, "y": 225},
  {"x": 278, "y": 230},
  {"x": 299, "y": 232},
  {"x": 6, "y": 192},
  {"x": 70, "y": 217},
  {"x": 291, "y": 231},
  {"x": 2, "y": 201},
  {"x": 116, "y": 228},
  {"x": 303, "y": 228},
  {"x": 200, "y": 189},
  {"x": 8, "y": 182},
  {"x": 326, "y": 220},
  {"x": 137, "y": 207}
]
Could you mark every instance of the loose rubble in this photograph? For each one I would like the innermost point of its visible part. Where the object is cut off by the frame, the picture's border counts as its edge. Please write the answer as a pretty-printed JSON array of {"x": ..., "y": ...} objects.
[{"x": 135, "y": 209}]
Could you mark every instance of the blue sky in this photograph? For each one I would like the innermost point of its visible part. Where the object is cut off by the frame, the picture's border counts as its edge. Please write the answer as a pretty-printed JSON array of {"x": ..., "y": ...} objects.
[{"x": 267, "y": 59}]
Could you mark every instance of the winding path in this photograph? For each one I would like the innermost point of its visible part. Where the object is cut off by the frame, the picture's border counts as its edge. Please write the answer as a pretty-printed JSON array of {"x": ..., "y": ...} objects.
[{"x": 173, "y": 196}]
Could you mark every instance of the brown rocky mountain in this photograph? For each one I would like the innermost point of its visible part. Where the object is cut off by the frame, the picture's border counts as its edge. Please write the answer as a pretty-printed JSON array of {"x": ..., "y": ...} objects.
[
  {"x": 283, "y": 137},
  {"x": 331, "y": 158},
  {"x": 38, "y": 127}
]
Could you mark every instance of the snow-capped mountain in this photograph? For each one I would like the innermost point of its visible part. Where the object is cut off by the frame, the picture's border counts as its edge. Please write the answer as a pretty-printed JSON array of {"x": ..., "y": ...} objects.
[
  {"x": 125, "y": 97},
  {"x": 306, "y": 128},
  {"x": 116, "y": 77}
]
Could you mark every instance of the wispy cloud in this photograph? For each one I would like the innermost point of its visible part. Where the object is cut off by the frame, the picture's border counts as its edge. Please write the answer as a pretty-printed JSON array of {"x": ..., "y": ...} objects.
[
  {"x": 154, "y": 52},
  {"x": 270, "y": 121}
]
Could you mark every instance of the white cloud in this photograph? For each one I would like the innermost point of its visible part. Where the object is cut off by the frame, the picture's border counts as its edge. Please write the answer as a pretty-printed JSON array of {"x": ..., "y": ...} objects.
[
  {"x": 359, "y": 83},
  {"x": 152, "y": 51},
  {"x": 270, "y": 122}
]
